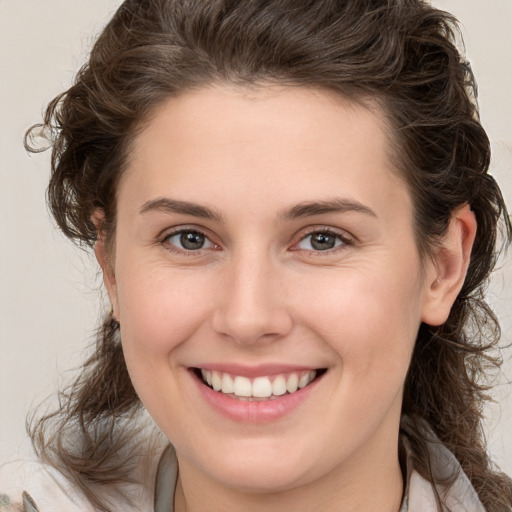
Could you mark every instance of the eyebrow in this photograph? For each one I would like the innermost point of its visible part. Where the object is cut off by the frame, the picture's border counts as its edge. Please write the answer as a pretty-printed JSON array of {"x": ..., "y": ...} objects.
[
  {"x": 335, "y": 205},
  {"x": 165, "y": 204},
  {"x": 298, "y": 211}
]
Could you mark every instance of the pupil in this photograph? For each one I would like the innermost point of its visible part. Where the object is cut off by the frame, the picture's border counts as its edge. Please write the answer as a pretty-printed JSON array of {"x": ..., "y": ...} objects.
[
  {"x": 191, "y": 240},
  {"x": 323, "y": 241}
]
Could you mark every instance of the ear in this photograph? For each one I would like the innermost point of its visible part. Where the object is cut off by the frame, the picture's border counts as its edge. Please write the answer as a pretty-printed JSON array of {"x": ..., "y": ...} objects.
[
  {"x": 105, "y": 260},
  {"x": 446, "y": 274}
]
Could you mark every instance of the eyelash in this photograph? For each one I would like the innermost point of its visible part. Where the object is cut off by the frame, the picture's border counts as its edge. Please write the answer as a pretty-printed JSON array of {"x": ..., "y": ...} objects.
[
  {"x": 182, "y": 251},
  {"x": 345, "y": 241}
]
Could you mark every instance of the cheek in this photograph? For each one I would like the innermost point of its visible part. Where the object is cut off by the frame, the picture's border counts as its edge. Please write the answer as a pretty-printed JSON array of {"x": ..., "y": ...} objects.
[
  {"x": 159, "y": 309},
  {"x": 370, "y": 319}
]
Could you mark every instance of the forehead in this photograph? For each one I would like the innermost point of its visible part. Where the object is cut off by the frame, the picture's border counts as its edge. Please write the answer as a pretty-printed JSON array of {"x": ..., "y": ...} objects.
[
  {"x": 288, "y": 143},
  {"x": 227, "y": 113}
]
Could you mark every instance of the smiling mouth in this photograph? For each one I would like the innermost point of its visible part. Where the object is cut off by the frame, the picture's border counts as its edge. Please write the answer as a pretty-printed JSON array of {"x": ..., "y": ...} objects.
[{"x": 259, "y": 388}]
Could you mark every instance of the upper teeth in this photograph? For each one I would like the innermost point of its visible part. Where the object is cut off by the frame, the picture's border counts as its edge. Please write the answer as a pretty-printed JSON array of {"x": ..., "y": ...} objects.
[{"x": 260, "y": 387}]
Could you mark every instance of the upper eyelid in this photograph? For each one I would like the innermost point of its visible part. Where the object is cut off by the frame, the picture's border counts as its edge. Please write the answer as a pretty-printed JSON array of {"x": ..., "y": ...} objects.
[
  {"x": 168, "y": 232},
  {"x": 344, "y": 235},
  {"x": 347, "y": 242},
  {"x": 191, "y": 255},
  {"x": 171, "y": 232}
]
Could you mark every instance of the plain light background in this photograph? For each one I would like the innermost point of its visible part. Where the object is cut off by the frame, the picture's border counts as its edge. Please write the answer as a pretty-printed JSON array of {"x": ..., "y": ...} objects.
[{"x": 50, "y": 291}]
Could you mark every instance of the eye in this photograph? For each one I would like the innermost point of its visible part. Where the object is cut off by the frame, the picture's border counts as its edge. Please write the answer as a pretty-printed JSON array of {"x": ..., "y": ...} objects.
[
  {"x": 321, "y": 241},
  {"x": 188, "y": 240}
]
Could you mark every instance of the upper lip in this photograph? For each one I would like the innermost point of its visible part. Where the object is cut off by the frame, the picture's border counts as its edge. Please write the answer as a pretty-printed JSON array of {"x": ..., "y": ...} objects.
[{"x": 256, "y": 370}]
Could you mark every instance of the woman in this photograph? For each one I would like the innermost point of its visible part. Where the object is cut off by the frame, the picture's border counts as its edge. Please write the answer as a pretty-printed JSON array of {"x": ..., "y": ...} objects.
[{"x": 291, "y": 208}]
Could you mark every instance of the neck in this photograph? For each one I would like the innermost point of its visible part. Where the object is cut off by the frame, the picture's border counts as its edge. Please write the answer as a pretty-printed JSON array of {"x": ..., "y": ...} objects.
[{"x": 366, "y": 482}]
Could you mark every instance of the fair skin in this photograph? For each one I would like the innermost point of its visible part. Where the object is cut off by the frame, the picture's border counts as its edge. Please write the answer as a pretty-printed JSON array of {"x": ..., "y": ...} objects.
[{"x": 217, "y": 265}]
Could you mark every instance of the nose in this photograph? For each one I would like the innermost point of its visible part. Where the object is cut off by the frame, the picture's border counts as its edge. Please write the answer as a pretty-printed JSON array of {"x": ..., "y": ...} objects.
[{"x": 252, "y": 306}]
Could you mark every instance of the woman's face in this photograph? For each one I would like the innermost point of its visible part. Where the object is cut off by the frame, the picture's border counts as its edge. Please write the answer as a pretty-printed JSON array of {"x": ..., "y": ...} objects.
[{"x": 264, "y": 240}]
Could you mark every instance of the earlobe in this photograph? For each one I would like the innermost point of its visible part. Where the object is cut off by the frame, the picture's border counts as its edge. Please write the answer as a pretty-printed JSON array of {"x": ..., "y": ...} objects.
[
  {"x": 103, "y": 256},
  {"x": 447, "y": 272}
]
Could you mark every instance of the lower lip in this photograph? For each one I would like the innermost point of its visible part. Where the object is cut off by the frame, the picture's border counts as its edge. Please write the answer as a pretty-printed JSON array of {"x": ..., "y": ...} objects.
[{"x": 263, "y": 411}]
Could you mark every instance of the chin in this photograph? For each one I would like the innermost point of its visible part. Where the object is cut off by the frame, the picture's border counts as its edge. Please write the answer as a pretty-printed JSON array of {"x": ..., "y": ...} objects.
[
  {"x": 253, "y": 473},
  {"x": 262, "y": 480}
]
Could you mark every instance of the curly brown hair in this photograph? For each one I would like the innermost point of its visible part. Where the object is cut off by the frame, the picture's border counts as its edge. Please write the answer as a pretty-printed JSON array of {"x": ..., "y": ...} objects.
[{"x": 401, "y": 54}]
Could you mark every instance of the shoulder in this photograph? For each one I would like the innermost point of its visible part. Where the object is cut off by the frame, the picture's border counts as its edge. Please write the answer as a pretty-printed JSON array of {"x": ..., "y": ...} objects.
[
  {"x": 30, "y": 486},
  {"x": 459, "y": 496},
  {"x": 25, "y": 504}
]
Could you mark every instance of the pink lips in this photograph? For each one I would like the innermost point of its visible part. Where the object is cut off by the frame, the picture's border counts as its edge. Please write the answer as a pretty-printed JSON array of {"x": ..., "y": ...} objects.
[{"x": 245, "y": 411}]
